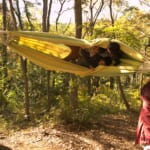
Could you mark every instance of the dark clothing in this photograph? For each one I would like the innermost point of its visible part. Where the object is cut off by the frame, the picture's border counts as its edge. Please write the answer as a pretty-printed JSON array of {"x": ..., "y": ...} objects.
[
  {"x": 116, "y": 61},
  {"x": 91, "y": 60},
  {"x": 95, "y": 59},
  {"x": 108, "y": 60}
]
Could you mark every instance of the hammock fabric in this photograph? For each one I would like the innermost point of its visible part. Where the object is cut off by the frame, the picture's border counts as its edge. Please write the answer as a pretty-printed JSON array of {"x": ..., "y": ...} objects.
[{"x": 51, "y": 51}]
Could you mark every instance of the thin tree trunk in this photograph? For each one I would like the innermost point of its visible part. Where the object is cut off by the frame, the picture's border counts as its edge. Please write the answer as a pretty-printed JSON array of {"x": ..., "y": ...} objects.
[
  {"x": 78, "y": 34},
  {"x": 122, "y": 93},
  {"x": 118, "y": 78},
  {"x": 111, "y": 13},
  {"x": 13, "y": 15},
  {"x": 24, "y": 70},
  {"x": 28, "y": 16},
  {"x": 26, "y": 89},
  {"x": 44, "y": 18},
  {"x": 59, "y": 13},
  {"x": 4, "y": 49},
  {"x": 78, "y": 18},
  {"x": 48, "y": 91},
  {"x": 18, "y": 13},
  {"x": 45, "y": 28},
  {"x": 49, "y": 12},
  {"x": 73, "y": 92}
]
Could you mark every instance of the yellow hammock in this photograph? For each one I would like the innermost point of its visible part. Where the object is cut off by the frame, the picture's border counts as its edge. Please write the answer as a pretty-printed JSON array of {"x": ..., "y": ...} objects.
[{"x": 50, "y": 50}]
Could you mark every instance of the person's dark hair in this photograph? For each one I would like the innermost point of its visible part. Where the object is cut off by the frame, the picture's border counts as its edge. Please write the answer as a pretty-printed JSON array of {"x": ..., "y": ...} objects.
[
  {"x": 145, "y": 91},
  {"x": 114, "y": 48},
  {"x": 102, "y": 50},
  {"x": 108, "y": 61},
  {"x": 3, "y": 147}
]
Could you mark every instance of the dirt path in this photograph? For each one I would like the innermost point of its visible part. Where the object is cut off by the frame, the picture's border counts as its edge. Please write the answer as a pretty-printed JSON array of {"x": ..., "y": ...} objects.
[{"x": 114, "y": 132}]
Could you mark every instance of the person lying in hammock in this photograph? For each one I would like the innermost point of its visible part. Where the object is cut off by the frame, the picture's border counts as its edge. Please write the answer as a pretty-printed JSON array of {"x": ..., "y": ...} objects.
[
  {"x": 101, "y": 56},
  {"x": 94, "y": 57}
]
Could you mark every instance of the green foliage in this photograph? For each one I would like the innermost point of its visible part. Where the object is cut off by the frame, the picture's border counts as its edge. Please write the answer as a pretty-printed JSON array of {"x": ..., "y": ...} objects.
[
  {"x": 3, "y": 101},
  {"x": 4, "y": 124},
  {"x": 13, "y": 104},
  {"x": 90, "y": 109},
  {"x": 129, "y": 28},
  {"x": 37, "y": 82},
  {"x": 133, "y": 96}
]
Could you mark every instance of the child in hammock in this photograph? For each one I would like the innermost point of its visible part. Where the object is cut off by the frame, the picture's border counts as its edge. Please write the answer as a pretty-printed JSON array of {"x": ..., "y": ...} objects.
[
  {"x": 143, "y": 127},
  {"x": 95, "y": 56},
  {"x": 101, "y": 56}
]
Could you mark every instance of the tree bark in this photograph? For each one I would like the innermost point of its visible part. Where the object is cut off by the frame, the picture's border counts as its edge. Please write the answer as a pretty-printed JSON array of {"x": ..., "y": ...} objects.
[
  {"x": 18, "y": 13},
  {"x": 26, "y": 88},
  {"x": 48, "y": 91},
  {"x": 46, "y": 15},
  {"x": 59, "y": 12},
  {"x": 13, "y": 14},
  {"x": 44, "y": 18},
  {"x": 4, "y": 59},
  {"x": 28, "y": 16},
  {"x": 78, "y": 34},
  {"x": 45, "y": 28},
  {"x": 24, "y": 69},
  {"x": 73, "y": 92},
  {"x": 4, "y": 48},
  {"x": 78, "y": 18},
  {"x": 122, "y": 94},
  {"x": 111, "y": 12}
]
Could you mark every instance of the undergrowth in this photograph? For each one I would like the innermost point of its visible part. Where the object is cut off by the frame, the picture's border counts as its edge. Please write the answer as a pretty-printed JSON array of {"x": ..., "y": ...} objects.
[{"x": 90, "y": 109}]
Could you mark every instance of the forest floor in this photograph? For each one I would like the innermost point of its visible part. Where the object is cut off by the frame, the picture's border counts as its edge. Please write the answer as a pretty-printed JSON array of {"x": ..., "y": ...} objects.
[{"x": 113, "y": 132}]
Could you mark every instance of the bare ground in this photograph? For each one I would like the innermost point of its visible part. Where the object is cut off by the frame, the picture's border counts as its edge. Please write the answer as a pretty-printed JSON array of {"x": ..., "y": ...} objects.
[{"x": 113, "y": 132}]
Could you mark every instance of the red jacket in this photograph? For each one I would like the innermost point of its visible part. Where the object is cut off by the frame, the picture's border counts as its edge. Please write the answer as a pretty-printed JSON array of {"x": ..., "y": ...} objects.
[{"x": 143, "y": 128}]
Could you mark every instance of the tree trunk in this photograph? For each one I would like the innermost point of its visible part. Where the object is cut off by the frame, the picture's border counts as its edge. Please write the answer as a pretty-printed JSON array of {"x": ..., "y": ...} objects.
[
  {"x": 45, "y": 28},
  {"x": 62, "y": 2},
  {"x": 18, "y": 13},
  {"x": 28, "y": 16},
  {"x": 73, "y": 92},
  {"x": 111, "y": 13},
  {"x": 78, "y": 18},
  {"x": 118, "y": 78},
  {"x": 4, "y": 48},
  {"x": 46, "y": 15},
  {"x": 26, "y": 89},
  {"x": 48, "y": 91},
  {"x": 4, "y": 61},
  {"x": 44, "y": 18},
  {"x": 24, "y": 70},
  {"x": 122, "y": 93},
  {"x": 93, "y": 17},
  {"x": 13, "y": 14},
  {"x": 78, "y": 34},
  {"x": 49, "y": 12}
]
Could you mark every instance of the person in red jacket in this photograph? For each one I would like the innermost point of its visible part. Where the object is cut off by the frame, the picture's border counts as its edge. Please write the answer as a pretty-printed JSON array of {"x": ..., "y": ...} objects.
[{"x": 143, "y": 127}]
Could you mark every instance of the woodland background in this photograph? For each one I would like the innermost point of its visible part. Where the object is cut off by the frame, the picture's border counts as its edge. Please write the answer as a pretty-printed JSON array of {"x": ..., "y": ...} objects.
[{"x": 30, "y": 95}]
